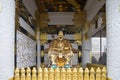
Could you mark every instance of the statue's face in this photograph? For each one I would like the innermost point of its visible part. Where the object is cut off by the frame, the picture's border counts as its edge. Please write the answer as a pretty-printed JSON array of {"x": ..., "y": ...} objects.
[{"x": 60, "y": 35}]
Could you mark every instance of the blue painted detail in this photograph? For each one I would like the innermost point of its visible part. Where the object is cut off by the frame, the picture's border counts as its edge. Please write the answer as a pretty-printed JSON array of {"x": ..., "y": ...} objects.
[
  {"x": 66, "y": 66},
  {"x": 53, "y": 66}
]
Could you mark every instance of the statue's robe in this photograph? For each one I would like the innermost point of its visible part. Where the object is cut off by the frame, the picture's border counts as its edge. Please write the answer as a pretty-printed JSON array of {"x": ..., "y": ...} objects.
[{"x": 60, "y": 50}]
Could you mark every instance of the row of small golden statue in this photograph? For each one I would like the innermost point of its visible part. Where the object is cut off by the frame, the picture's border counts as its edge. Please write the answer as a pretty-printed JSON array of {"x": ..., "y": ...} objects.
[{"x": 60, "y": 52}]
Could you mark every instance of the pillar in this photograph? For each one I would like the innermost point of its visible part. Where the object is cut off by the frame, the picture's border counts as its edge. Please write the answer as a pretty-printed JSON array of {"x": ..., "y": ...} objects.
[
  {"x": 86, "y": 49},
  {"x": 113, "y": 38},
  {"x": 7, "y": 39},
  {"x": 38, "y": 49},
  {"x": 79, "y": 57},
  {"x": 42, "y": 55}
]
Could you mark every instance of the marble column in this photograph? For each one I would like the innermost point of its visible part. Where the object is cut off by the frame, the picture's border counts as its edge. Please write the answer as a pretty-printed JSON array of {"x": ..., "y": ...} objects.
[
  {"x": 7, "y": 39},
  {"x": 86, "y": 49},
  {"x": 113, "y": 38}
]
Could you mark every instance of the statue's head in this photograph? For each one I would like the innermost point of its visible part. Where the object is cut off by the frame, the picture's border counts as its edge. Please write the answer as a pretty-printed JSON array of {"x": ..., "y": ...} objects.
[{"x": 60, "y": 35}]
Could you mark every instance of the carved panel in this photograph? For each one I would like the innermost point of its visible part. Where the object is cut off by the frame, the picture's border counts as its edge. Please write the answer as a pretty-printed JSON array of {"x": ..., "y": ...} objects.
[{"x": 26, "y": 51}]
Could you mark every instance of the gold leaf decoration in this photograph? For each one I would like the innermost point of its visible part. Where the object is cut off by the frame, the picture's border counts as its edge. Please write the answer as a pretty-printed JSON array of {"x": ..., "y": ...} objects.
[
  {"x": 77, "y": 36},
  {"x": 43, "y": 38}
]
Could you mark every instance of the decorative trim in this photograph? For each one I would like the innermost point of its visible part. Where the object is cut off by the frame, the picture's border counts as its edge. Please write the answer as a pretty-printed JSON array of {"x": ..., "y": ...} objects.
[
  {"x": 26, "y": 16},
  {"x": 17, "y": 10},
  {"x": 21, "y": 29},
  {"x": 77, "y": 36}
]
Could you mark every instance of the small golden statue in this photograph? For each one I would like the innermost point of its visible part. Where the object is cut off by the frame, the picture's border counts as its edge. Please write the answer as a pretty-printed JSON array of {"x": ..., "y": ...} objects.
[{"x": 60, "y": 51}]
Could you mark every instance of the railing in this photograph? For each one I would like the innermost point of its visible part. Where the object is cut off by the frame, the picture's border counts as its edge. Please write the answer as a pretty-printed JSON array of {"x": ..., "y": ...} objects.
[
  {"x": 95, "y": 66},
  {"x": 60, "y": 74}
]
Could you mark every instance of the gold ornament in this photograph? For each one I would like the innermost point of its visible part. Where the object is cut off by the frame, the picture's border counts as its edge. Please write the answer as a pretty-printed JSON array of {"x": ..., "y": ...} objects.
[
  {"x": 77, "y": 36},
  {"x": 60, "y": 61}
]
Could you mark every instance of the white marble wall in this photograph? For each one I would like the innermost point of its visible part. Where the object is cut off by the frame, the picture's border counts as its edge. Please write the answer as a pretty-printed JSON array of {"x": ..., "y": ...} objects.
[
  {"x": 7, "y": 39},
  {"x": 113, "y": 38},
  {"x": 26, "y": 51}
]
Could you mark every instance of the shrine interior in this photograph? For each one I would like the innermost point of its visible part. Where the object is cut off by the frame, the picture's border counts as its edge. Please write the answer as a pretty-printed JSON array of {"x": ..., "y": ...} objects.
[{"x": 44, "y": 35}]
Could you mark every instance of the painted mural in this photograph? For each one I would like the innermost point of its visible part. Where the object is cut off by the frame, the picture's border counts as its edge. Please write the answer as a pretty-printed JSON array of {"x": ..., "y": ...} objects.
[{"x": 26, "y": 51}]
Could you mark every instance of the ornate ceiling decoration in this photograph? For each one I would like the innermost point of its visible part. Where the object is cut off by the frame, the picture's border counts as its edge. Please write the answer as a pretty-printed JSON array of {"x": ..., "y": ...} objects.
[
  {"x": 60, "y": 5},
  {"x": 53, "y": 29},
  {"x": 54, "y": 6},
  {"x": 45, "y": 6},
  {"x": 79, "y": 19}
]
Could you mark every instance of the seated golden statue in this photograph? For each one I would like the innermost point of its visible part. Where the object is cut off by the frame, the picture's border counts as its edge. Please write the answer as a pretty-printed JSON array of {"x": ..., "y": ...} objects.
[{"x": 60, "y": 51}]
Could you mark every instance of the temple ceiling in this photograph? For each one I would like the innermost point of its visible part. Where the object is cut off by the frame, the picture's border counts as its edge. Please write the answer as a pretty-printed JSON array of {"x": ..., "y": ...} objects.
[
  {"x": 59, "y": 5},
  {"x": 45, "y": 6}
]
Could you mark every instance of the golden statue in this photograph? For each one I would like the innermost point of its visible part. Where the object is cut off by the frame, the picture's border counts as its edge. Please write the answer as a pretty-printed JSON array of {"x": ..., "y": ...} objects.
[{"x": 60, "y": 51}]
